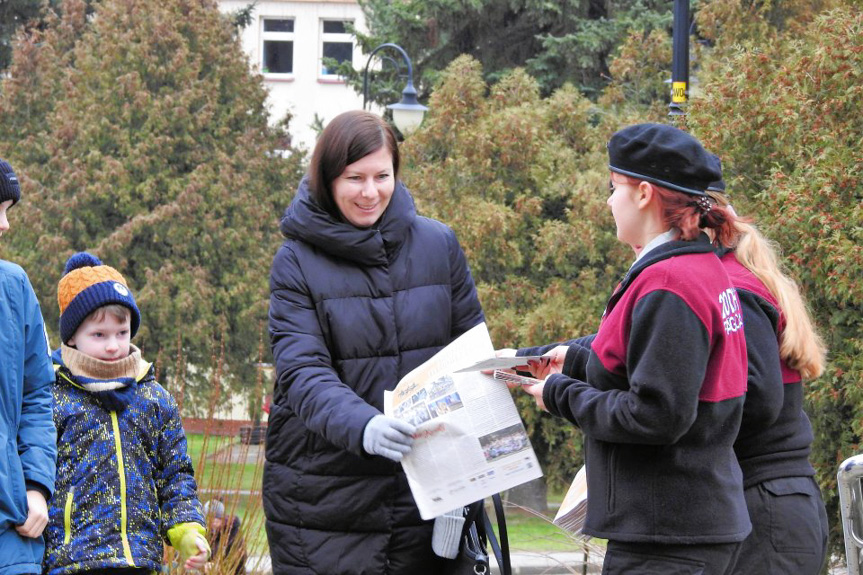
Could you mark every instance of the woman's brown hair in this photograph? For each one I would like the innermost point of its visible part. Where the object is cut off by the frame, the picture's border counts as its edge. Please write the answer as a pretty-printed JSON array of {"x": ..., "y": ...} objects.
[{"x": 348, "y": 138}]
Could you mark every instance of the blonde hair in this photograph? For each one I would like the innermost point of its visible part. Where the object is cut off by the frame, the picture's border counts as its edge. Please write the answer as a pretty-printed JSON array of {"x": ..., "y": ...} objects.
[
  {"x": 800, "y": 344},
  {"x": 119, "y": 312}
]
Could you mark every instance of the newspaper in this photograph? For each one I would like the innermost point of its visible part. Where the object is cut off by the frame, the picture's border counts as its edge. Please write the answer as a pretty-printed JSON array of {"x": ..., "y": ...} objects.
[
  {"x": 470, "y": 441},
  {"x": 573, "y": 510}
]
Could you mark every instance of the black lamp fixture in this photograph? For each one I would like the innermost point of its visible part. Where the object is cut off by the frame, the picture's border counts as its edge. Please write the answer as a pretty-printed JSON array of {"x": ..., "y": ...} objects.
[{"x": 408, "y": 113}]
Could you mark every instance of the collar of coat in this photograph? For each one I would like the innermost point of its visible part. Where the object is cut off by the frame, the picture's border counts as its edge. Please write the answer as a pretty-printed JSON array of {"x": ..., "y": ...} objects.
[
  {"x": 700, "y": 245},
  {"x": 305, "y": 220}
]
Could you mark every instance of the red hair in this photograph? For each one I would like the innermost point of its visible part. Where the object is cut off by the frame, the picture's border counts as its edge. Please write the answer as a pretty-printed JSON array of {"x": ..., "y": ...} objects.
[{"x": 685, "y": 212}]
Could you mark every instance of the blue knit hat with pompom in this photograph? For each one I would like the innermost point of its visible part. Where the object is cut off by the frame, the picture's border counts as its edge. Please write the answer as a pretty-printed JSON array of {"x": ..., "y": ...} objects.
[{"x": 88, "y": 284}]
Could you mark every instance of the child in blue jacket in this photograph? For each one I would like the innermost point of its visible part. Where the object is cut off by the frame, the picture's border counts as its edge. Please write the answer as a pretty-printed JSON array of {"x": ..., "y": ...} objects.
[
  {"x": 125, "y": 482},
  {"x": 27, "y": 437}
]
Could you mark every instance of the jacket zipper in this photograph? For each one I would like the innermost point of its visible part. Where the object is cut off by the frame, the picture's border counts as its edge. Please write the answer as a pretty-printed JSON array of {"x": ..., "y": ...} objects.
[
  {"x": 121, "y": 471},
  {"x": 67, "y": 516}
]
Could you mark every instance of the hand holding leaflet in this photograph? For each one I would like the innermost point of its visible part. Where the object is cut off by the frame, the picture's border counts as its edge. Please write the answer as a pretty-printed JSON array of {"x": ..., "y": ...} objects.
[
  {"x": 491, "y": 363},
  {"x": 536, "y": 390},
  {"x": 551, "y": 362}
]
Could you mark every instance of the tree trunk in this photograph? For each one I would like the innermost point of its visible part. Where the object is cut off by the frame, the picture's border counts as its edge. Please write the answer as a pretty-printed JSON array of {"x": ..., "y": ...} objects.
[{"x": 533, "y": 495}]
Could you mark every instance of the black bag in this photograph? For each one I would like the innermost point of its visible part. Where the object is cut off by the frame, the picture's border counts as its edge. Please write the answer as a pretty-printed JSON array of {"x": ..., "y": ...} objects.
[{"x": 473, "y": 558}]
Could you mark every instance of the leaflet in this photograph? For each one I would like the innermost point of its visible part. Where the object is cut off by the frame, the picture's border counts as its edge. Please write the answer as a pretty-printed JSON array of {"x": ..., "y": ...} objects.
[
  {"x": 573, "y": 510},
  {"x": 470, "y": 441},
  {"x": 498, "y": 363}
]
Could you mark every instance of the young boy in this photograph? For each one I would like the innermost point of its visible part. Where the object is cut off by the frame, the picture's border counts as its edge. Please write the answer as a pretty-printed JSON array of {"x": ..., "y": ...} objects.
[
  {"x": 27, "y": 437},
  {"x": 125, "y": 482}
]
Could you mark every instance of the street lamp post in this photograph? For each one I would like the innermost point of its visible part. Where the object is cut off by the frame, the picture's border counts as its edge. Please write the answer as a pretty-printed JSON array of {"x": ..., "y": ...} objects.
[
  {"x": 408, "y": 113},
  {"x": 680, "y": 58}
]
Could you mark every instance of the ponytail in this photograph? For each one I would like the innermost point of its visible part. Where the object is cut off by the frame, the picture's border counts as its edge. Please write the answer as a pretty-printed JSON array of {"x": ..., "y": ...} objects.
[
  {"x": 691, "y": 214},
  {"x": 800, "y": 345}
]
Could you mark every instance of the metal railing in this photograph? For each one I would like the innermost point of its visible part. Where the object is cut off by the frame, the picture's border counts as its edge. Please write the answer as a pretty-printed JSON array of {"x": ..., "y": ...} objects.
[{"x": 848, "y": 480}]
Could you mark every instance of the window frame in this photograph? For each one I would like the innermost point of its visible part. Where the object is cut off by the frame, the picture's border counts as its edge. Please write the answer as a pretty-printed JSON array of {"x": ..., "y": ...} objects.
[
  {"x": 335, "y": 37},
  {"x": 271, "y": 36}
]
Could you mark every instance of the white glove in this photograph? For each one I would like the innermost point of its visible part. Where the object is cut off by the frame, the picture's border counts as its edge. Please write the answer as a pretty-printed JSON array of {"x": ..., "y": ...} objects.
[{"x": 389, "y": 437}]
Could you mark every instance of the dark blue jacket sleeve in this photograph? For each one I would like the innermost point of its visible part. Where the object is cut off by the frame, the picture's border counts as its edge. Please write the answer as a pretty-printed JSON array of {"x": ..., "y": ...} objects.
[
  {"x": 764, "y": 389},
  {"x": 307, "y": 382},
  {"x": 667, "y": 360},
  {"x": 37, "y": 437},
  {"x": 466, "y": 309}
]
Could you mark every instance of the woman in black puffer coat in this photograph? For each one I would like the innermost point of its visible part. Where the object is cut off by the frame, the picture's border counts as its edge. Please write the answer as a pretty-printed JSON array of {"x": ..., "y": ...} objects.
[{"x": 362, "y": 291}]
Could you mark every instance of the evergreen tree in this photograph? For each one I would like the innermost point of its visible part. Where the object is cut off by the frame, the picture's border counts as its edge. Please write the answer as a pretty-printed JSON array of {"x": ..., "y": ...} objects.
[
  {"x": 13, "y": 15},
  {"x": 141, "y": 135},
  {"x": 522, "y": 180},
  {"x": 557, "y": 42},
  {"x": 781, "y": 106}
]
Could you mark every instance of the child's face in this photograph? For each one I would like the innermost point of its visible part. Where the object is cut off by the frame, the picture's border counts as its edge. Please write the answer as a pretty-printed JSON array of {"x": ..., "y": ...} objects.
[
  {"x": 106, "y": 338},
  {"x": 4, "y": 220}
]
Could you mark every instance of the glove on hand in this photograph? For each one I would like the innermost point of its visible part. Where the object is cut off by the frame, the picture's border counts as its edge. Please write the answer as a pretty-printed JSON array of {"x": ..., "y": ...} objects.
[
  {"x": 184, "y": 537},
  {"x": 388, "y": 436}
]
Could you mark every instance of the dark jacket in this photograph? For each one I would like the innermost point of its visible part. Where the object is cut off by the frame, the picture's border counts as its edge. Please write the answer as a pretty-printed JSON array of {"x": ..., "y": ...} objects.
[
  {"x": 123, "y": 479},
  {"x": 27, "y": 435},
  {"x": 351, "y": 312},
  {"x": 662, "y": 403},
  {"x": 775, "y": 436}
]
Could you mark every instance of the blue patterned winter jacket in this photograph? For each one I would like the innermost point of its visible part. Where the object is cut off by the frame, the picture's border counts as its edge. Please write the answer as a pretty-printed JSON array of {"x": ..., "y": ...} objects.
[{"x": 123, "y": 479}]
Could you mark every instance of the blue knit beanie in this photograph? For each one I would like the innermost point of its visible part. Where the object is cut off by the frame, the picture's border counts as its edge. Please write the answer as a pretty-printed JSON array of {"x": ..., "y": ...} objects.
[
  {"x": 9, "y": 187},
  {"x": 87, "y": 284}
]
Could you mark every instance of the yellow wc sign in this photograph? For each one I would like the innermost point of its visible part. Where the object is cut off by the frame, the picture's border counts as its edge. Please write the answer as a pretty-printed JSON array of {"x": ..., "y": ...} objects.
[{"x": 678, "y": 92}]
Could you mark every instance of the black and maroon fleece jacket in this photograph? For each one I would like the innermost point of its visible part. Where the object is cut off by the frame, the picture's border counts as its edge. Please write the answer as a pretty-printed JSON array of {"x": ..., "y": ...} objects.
[
  {"x": 775, "y": 435},
  {"x": 661, "y": 403}
]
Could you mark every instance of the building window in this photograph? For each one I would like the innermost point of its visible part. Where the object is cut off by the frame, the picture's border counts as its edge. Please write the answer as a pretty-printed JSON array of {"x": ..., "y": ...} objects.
[
  {"x": 278, "y": 51},
  {"x": 336, "y": 43}
]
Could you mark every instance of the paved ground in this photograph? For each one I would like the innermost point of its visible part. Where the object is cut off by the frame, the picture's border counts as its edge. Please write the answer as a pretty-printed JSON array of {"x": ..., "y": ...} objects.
[{"x": 522, "y": 564}]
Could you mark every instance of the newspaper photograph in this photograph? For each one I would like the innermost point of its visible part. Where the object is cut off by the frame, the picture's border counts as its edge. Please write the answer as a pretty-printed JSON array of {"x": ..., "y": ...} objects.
[{"x": 470, "y": 441}]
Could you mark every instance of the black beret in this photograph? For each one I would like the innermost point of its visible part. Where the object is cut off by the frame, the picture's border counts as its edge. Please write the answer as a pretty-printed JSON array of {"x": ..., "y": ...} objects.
[
  {"x": 717, "y": 186},
  {"x": 663, "y": 155}
]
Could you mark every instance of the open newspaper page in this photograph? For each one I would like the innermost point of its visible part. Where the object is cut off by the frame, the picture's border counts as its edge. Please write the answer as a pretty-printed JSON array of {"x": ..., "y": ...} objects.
[{"x": 470, "y": 441}]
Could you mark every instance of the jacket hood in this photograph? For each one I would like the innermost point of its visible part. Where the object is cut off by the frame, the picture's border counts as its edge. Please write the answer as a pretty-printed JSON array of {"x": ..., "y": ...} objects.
[{"x": 305, "y": 220}]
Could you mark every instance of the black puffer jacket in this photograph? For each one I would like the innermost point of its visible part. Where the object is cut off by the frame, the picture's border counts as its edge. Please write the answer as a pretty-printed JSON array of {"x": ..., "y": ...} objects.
[{"x": 351, "y": 312}]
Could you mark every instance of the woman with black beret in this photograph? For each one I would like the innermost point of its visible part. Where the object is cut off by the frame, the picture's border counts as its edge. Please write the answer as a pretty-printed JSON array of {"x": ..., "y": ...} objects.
[{"x": 658, "y": 391}]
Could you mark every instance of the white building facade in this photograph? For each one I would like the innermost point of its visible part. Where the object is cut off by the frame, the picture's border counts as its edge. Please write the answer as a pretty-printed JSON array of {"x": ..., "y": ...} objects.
[{"x": 286, "y": 42}]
